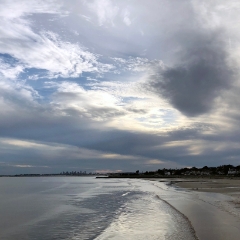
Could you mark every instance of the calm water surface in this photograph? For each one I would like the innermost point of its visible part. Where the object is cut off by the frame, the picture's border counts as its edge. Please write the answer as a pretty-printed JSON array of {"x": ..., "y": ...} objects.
[{"x": 87, "y": 208}]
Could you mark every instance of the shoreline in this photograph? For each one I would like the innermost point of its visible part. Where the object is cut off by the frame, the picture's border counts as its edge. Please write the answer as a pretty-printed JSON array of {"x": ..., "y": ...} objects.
[
  {"x": 211, "y": 205},
  {"x": 192, "y": 230},
  {"x": 228, "y": 187}
]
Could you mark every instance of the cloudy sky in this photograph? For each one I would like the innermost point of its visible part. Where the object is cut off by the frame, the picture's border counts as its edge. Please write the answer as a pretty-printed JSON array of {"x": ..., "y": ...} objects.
[{"x": 118, "y": 85}]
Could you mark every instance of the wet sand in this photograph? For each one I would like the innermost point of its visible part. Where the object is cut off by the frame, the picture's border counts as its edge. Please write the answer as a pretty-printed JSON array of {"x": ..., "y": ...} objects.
[
  {"x": 229, "y": 187},
  {"x": 224, "y": 186},
  {"x": 211, "y": 205}
]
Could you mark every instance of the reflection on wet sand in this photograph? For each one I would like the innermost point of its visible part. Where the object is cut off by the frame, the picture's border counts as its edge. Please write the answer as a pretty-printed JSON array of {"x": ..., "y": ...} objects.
[{"x": 210, "y": 204}]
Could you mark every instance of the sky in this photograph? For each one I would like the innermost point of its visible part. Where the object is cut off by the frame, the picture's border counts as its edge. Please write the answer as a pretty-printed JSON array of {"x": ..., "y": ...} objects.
[{"x": 118, "y": 85}]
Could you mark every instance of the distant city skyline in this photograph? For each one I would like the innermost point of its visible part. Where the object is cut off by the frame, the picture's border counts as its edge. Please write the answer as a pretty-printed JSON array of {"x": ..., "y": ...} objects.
[{"x": 118, "y": 85}]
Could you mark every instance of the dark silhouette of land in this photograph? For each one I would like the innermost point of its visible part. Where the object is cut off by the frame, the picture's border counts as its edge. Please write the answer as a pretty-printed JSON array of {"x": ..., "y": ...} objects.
[{"x": 218, "y": 172}]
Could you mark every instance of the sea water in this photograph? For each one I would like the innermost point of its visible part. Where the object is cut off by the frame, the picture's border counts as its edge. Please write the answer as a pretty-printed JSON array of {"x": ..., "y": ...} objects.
[{"x": 37, "y": 208}]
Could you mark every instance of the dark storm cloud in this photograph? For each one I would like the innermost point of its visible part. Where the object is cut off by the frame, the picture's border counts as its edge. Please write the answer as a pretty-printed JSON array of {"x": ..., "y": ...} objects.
[{"x": 200, "y": 74}]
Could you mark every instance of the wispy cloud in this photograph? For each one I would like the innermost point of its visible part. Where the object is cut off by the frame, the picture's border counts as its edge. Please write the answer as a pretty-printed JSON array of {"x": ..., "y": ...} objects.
[
  {"x": 105, "y": 9},
  {"x": 28, "y": 166},
  {"x": 42, "y": 49}
]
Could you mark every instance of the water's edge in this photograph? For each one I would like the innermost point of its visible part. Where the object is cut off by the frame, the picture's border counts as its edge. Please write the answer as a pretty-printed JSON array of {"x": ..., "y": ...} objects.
[{"x": 185, "y": 217}]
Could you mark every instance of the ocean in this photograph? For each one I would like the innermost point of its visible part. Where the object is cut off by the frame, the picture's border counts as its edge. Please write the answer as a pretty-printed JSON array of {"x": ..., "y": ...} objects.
[{"x": 82, "y": 208}]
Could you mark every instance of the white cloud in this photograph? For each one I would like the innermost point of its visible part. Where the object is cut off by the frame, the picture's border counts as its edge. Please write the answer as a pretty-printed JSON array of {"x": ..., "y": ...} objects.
[
  {"x": 16, "y": 9},
  {"x": 22, "y": 143},
  {"x": 47, "y": 51},
  {"x": 48, "y": 151},
  {"x": 109, "y": 13},
  {"x": 126, "y": 18},
  {"x": 44, "y": 49},
  {"x": 60, "y": 58},
  {"x": 16, "y": 92},
  {"x": 154, "y": 161},
  {"x": 118, "y": 156},
  {"x": 71, "y": 98},
  {"x": 118, "y": 105},
  {"x": 23, "y": 166},
  {"x": 10, "y": 71},
  {"x": 105, "y": 10},
  {"x": 137, "y": 64}
]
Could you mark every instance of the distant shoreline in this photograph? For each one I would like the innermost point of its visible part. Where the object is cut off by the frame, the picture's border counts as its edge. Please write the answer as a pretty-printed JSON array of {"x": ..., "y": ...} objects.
[
  {"x": 177, "y": 177},
  {"x": 50, "y": 175}
]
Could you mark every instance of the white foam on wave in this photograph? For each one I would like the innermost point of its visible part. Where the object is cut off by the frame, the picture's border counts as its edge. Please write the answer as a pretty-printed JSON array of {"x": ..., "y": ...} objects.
[{"x": 125, "y": 194}]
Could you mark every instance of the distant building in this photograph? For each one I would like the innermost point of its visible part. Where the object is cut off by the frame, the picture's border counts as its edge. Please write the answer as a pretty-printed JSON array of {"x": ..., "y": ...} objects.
[{"x": 232, "y": 171}]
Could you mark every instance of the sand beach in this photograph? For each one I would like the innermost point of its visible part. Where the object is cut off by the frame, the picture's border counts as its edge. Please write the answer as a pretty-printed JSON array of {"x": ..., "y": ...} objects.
[
  {"x": 211, "y": 205},
  {"x": 228, "y": 186}
]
